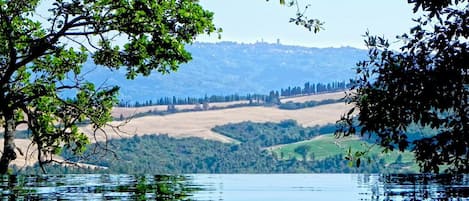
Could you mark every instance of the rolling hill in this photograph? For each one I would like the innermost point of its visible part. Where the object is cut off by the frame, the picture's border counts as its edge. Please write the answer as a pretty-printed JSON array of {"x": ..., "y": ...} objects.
[
  {"x": 222, "y": 69},
  {"x": 324, "y": 146},
  {"x": 227, "y": 68},
  {"x": 199, "y": 124}
]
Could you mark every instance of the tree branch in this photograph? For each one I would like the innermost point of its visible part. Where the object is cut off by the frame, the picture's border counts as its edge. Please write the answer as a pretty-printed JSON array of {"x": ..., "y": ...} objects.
[{"x": 47, "y": 41}]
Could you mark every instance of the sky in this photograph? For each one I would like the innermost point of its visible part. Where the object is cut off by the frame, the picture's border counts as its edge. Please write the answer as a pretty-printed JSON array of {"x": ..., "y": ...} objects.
[{"x": 346, "y": 21}]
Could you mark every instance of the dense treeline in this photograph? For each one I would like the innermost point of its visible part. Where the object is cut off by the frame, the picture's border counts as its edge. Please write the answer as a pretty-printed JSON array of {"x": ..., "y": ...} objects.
[
  {"x": 296, "y": 105},
  {"x": 254, "y": 98},
  {"x": 270, "y": 134},
  {"x": 160, "y": 154},
  {"x": 272, "y": 97},
  {"x": 309, "y": 88}
]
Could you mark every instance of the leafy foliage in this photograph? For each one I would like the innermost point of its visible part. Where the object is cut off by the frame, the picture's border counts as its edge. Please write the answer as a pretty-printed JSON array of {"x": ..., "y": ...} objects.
[
  {"x": 38, "y": 62},
  {"x": 425, "y": 83}
]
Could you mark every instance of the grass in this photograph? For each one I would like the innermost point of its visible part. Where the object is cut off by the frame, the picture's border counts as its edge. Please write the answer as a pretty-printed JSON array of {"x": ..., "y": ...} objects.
[{"x": 328, "y": 145}]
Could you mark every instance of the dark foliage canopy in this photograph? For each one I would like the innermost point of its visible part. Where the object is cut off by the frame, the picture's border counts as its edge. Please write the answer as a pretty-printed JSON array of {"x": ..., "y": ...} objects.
[{"x": 423, "y": 84}]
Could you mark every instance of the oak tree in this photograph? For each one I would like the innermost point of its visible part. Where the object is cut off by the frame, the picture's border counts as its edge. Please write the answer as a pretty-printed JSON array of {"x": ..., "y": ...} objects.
[{"x": 44, "y": 46}]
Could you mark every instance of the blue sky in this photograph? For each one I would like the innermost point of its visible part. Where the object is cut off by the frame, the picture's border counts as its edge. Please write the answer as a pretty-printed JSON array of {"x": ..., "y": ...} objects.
[{"x": 346, "y": 21}]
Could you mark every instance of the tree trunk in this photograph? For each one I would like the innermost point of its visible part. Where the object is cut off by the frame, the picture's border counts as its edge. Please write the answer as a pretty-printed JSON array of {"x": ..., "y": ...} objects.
[{"x": 9, "y": 147}]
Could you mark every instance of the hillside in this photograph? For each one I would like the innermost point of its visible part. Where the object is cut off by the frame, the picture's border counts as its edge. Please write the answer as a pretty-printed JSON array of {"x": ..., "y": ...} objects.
[
  {"x": 266, "y": 140},
  {"x": 135, "y": 111},
  {"x": 228, "y": 68},
  {"x": 325, "y": 146},
  {"x": 161, "y": 154},
  {"x": 199, "y": 124}
]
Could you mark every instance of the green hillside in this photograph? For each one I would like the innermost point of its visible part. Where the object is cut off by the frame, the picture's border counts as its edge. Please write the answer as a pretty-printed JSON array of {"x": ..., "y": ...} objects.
[{"x": 325, "y": 146}]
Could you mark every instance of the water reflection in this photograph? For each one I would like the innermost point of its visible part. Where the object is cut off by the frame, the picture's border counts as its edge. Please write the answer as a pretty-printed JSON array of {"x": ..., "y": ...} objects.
[
  {"x": 416, "y": 187},
  {"x": 96, "y": 187},
  {"x": 234, "y": 187}
]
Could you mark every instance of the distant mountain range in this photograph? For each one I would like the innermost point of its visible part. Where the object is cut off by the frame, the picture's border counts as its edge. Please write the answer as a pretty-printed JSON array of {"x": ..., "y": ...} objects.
[{"x": 226, "y": 68}]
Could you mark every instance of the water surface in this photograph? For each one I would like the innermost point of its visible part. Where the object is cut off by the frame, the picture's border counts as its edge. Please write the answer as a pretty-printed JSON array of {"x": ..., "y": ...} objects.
[{"x": 235, "y": 187}]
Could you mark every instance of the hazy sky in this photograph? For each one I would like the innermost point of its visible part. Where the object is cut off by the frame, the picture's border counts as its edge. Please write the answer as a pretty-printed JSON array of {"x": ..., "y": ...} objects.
[{"x": 345, "y": 21}]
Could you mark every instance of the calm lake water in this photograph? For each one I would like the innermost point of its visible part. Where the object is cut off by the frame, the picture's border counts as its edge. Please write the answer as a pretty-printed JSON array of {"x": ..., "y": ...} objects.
[{"x": 235, "y": 187}]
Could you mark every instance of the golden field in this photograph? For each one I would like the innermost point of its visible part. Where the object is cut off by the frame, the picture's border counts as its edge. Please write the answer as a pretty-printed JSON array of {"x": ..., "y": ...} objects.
[{"x": 199, "y": 124}]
